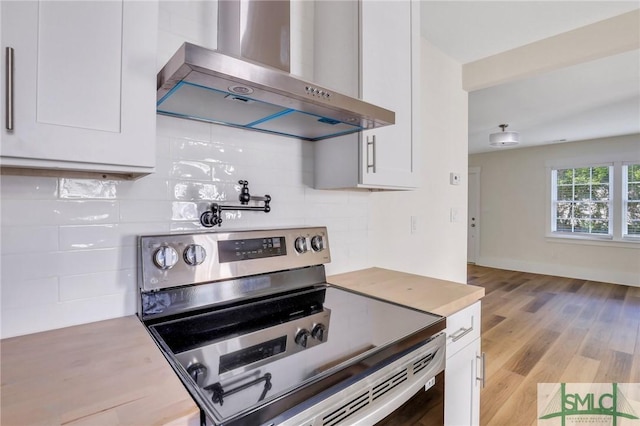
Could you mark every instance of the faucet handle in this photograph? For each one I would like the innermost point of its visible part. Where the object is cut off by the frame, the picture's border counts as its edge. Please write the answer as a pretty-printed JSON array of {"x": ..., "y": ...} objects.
[{"x": 244, "y": 197}]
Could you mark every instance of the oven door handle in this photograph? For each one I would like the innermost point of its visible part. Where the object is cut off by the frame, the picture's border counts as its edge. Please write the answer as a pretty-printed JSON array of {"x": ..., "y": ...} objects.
[{"x": 218, "y": 393}]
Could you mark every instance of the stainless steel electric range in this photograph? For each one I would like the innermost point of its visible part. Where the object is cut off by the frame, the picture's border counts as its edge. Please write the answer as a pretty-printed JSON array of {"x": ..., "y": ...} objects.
[{"x": 257, "y": 336}]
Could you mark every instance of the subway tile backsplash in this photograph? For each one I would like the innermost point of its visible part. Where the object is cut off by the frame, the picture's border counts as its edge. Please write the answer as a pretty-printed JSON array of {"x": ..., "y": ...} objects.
[{"x": 69, "y": 245}]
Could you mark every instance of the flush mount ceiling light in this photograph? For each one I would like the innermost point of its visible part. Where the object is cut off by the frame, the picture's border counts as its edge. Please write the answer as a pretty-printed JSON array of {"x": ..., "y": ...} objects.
[{"x": 503, "y": 138}]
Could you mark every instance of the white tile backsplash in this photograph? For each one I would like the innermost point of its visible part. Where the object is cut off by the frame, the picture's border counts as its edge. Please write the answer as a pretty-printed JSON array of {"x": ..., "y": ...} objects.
[
  {"x": 145, "y": 210},
  {"x": 29, "y": 239},
  {"x": 150, "y": 188},
  {"x": 89, "y": 286},
  {"x": 69, "y": 245},
  {"x": 88, "y": 188},
  {"x": 25, "y": 320},
  {"x": 28, "y": 187},
  {"x": 193, "y": 170},
  {"x": 30, "y": 293},
  {"x": 60, "y": 212},
  {"x": 89, "y": 237},
  {"x": 182, "y": 210},
  {"x": 199, "y": 191}
]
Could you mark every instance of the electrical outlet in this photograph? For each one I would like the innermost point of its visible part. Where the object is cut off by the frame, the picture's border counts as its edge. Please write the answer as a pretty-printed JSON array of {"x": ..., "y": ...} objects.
[
  {"x": 454, "y": 178},
  {"x": 414, "y": 224}
]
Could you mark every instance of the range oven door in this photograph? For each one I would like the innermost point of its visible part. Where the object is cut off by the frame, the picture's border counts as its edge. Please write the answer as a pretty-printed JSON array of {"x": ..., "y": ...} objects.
[
  {"x": 386, "y": 391},
  {"x": 425, "y": 408}
]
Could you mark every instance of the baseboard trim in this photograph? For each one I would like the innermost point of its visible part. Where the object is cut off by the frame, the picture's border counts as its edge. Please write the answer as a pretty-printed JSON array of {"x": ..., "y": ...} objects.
[{"x": 591, "y": 274}]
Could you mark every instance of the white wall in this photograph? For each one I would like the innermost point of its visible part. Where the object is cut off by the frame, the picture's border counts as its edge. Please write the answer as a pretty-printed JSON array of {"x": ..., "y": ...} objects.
[
  {"x": 438, "y": 247},
  {"x": 513, "y": 218},
  {"x": 68, "y": 249}
]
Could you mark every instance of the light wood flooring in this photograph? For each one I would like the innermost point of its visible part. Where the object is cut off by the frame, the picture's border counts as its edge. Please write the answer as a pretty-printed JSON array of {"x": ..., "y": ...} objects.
[{"x": 546, "y": 329}]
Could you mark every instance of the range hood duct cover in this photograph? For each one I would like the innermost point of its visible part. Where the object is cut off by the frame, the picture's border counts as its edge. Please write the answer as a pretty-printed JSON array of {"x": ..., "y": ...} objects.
[
  {"x": 256, "y": 30},
  {"x": 218, "y": 86}
]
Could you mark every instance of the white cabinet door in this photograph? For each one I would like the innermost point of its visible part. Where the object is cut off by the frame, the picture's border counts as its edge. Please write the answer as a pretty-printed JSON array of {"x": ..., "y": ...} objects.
[
  {"x": 462, "y": 387},
  {"x": 381, "y": 47},
  {"x": 464, "y": 368},
  {"x": 389, "y": 55},
  {"x": 84, "y": 85}
]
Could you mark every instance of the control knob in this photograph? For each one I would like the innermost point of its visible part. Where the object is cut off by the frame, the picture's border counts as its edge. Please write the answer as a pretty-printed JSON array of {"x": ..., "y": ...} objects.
[
  {"x": 194, "y": 254},
  {"x": 300, "y": 245},
  {"x": 302, "y": 337},
  {"x": 165, "y": 257},
  {"x": 198, "y": 373},
  {"x": 317, "y": 243},
  {"x": 318, "y": 332}
]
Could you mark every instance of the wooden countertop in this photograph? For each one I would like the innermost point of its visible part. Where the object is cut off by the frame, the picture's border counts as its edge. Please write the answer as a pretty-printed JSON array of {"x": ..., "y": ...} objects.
[
  {"x": 112, "y": 373},
  {"x": 428, "y": 294},
  {"x": 104, "y": 373}
]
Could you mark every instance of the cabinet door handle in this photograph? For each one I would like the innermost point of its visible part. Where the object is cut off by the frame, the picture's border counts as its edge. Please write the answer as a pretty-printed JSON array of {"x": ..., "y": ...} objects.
[
  {"x": 371, "y": 143},
  {"x": 9, "y": 88},
  {"x": 483, "y": 361},
  {"x": 460, "y": 333}
]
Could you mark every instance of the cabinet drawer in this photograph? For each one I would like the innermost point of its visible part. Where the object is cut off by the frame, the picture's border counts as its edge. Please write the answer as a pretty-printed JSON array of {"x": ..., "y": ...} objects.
[{"x": 463, "y": 327}]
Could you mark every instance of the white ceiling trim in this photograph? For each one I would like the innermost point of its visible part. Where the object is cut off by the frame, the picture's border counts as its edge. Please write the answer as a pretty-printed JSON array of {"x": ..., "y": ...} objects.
[
  {"x": 605, "y": 38},
  {"x": 471, "y": 30}
]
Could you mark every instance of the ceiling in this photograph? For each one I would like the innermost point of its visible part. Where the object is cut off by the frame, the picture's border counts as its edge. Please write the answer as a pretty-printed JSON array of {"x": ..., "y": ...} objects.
[{"x": 594, "y": 99}]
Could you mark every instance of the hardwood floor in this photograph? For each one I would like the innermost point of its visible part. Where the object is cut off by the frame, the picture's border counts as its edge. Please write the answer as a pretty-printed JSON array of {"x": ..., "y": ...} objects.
[{"x": 545, "y": 329}]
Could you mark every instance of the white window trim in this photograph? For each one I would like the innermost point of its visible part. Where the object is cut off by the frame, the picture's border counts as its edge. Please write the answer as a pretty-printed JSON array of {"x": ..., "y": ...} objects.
[
  {"x": 554, "y": 201},
  {"x": 616, "y": 214},
  {"x": 572, "y": 239},
  {"x": 623, "y": 208}
]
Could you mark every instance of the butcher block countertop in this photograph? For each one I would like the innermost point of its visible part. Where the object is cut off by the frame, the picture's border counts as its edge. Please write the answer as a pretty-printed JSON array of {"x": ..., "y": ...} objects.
[
  {"x": 112, "y": 373},
  {"x": 104, "y": 373},
  {"x": 427, "y": 294}
]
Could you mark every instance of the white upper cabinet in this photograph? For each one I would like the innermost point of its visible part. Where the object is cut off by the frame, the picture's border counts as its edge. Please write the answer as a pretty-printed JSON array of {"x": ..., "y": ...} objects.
[
  {"x": 84, "y": 86},
  {"x": 386, "y": 61},
  {"x": 389, "y": 53}
]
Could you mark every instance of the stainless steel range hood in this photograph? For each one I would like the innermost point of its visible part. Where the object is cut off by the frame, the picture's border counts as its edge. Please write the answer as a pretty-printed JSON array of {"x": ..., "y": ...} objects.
[{"x": 228, "y": 86}]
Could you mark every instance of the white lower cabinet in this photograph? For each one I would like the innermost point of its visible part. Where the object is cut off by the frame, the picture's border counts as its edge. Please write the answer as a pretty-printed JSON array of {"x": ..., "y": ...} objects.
[{"x": 465, "y": 368}]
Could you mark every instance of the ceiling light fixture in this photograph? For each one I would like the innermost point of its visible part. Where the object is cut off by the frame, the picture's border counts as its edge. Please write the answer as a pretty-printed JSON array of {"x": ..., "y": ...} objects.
[{"x": 503, "y": 138}]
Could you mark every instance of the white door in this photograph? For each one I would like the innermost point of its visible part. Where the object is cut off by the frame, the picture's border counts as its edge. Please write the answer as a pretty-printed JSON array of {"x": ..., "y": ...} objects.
[{"x": 473, "y": 226}]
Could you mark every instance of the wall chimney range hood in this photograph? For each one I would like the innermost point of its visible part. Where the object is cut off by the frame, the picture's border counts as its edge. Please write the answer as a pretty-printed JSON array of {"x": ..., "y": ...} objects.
[{"x": 227, "y": 86}]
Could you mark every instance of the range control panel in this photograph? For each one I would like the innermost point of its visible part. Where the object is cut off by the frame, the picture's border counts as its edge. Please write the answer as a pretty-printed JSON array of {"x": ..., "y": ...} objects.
[
  {"x": 182, "y": 259},
  {"x": 253, "y": 248}
]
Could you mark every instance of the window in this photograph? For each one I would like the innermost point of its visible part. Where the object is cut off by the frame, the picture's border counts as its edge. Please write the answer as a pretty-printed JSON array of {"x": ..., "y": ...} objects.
[
  {"x": 597, "y": 202},
  {"x": 581, "y": 200},
  {"x": 631, "y": 200}
]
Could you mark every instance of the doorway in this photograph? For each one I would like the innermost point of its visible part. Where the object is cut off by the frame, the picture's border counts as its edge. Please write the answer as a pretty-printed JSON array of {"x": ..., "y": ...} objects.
[{"x": 473, "y": 217}]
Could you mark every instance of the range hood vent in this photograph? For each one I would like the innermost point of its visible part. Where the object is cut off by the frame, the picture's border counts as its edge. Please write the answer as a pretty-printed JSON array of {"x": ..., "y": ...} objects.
[{"x": 218, "y": 87}]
